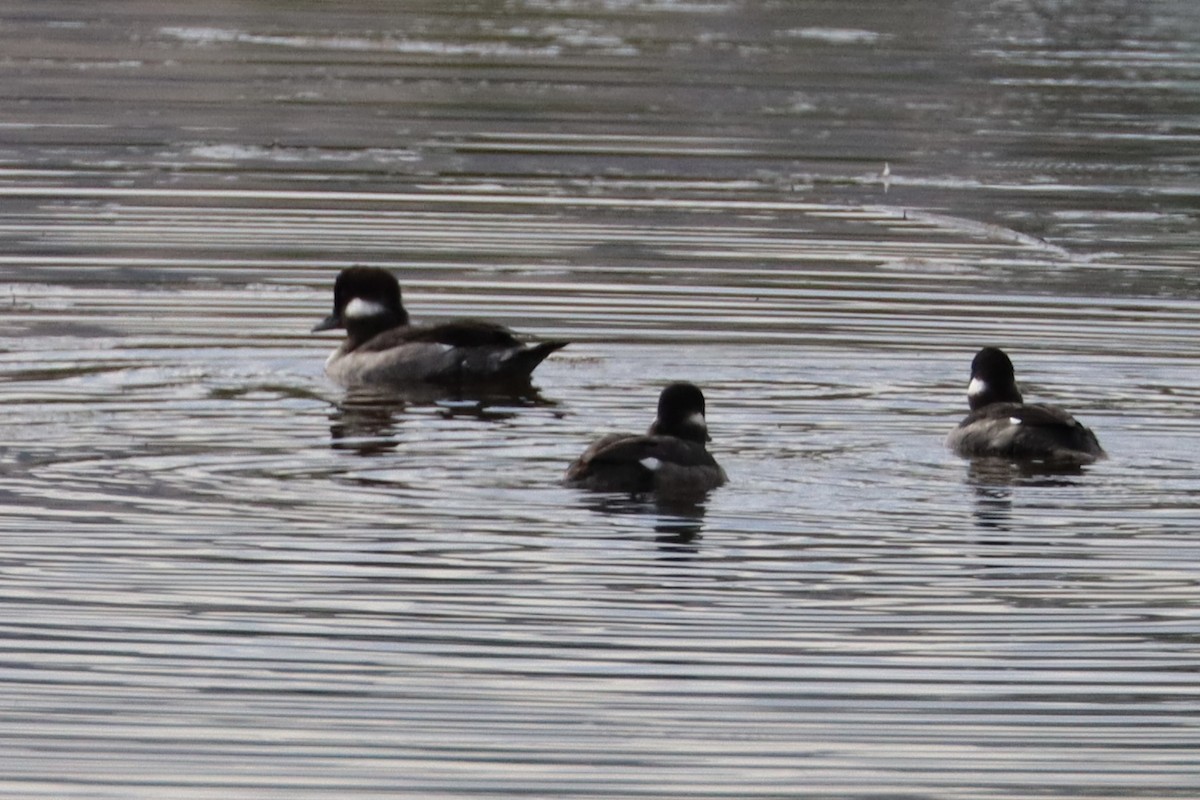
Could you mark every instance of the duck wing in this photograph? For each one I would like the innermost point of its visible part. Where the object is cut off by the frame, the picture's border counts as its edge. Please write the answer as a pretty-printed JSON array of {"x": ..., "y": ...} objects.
[
  {"x": 1056, "y": 425},
  {"x": 456, "y": 333},
  {"x": 465, "y": 351},
  {"x": 629, "y": 462},
  {"x": 1030, "y": 430}
]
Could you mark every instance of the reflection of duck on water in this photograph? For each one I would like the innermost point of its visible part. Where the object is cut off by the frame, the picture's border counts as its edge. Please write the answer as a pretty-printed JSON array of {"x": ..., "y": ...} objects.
[
  {"x": 365, "y": 420},
  {"x": 679, "y": 526},
  {"x": 678, "y": 523},
  {"x": 993, "y": 480}
]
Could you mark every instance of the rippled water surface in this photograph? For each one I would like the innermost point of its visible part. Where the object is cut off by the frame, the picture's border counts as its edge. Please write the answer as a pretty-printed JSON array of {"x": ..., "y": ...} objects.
[{"x": 223, "y": 576}]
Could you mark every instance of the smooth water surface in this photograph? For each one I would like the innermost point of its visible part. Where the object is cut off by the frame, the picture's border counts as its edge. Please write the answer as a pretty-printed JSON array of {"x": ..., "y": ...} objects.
[{"x": 223, "y": 576}]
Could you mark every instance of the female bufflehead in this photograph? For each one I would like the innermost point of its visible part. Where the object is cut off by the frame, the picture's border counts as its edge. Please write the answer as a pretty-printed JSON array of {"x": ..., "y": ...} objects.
[
  {"x": 382, "y": 348},
  {"x": 670, "y": 458},
  {"x": 1002, "y": 424}
]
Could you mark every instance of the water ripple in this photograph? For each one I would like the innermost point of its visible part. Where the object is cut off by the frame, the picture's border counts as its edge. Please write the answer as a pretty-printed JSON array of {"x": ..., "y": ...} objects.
[{"x": 225, "y": 575}]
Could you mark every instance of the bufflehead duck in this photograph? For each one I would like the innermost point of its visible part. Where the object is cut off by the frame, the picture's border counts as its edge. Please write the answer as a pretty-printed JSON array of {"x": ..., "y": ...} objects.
[
  {"x": 671, "y": 458},
  {"x": 381, "y": 347},
  {"x": 1001, "y": 424}
]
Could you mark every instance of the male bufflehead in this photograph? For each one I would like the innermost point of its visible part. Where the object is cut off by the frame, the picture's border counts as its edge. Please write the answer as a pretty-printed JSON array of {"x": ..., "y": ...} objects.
[
  {"x": 670, "y": 459},
  {"x": 381, "y": 348},
  {"x": 1001, "y": 424}
]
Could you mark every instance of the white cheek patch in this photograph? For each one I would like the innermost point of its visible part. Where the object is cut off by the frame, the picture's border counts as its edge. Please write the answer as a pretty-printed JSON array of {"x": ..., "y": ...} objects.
[
  {"x": 976, "y": 387},
  {"x": 1014, "y": 420},
  {"x": 651, "y": 463},
  {"x": 361, "y": 309},
  {"x": 698, "y": 419}
]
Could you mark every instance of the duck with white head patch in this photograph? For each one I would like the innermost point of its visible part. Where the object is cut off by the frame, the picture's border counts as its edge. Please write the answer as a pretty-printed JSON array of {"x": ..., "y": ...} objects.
[
  {"x": 1002, "y": 425},
  {"x": 671, "y": 458},
  {"x": 382, "y": 348}
]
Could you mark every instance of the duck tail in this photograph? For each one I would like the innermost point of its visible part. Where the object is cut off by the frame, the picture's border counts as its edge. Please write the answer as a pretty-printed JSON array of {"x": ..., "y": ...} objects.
[{"x": 523, "y": 362}]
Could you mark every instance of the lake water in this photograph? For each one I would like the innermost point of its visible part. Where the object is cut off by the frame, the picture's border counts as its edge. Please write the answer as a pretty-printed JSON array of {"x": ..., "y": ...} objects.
[{"x": 222, "y": 576}]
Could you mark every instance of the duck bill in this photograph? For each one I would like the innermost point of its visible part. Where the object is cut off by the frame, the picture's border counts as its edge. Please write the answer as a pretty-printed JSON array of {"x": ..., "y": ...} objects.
[{"x": 328, "y": 324}]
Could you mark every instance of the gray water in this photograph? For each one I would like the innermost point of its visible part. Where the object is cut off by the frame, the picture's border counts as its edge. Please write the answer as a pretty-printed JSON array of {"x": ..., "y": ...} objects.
[{"x": 222, "y": 576}]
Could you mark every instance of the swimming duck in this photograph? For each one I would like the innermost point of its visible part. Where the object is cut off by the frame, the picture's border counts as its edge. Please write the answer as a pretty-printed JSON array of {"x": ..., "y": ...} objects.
[
  {"x": 382, "y": 348},
  {"x": 1001, "y": 424},
  {"x": 670, "y": 458}
]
